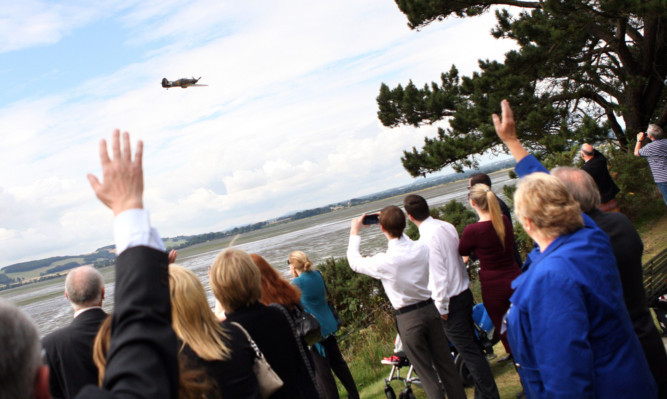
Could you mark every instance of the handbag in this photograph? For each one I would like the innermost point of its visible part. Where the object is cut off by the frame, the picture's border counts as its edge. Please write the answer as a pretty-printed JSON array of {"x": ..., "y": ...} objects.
[
  {"x": 306, "y": 325},
  {"x": 269, "y": 382},
  {"x": 332, "y": 308}
]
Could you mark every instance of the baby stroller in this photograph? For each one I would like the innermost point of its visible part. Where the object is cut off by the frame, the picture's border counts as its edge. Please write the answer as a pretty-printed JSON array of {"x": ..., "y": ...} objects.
[
  {"x": 484, "y": 332},
  {"x": 397, "y": 361}
]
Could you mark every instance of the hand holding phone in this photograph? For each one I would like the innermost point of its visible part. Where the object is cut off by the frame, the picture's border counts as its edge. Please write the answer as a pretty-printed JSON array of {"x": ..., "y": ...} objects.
[{"x": 373, "y": 218}]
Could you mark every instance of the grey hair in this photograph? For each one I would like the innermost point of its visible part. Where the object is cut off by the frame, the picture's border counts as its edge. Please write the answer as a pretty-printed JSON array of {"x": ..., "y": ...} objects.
[
  {"x": 655, "y": 131},
  {"x": 20, "y": 357},
  {"x": 84, "y": 286},
  {"x": 581, "y": 185}
]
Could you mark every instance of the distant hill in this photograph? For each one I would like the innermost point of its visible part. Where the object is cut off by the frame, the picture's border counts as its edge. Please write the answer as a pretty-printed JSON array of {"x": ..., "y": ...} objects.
[{"x": 35, "y": 270}]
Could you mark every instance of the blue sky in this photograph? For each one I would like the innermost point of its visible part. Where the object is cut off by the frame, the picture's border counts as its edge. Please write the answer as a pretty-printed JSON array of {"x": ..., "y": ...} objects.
[{"x": 287, "y": 122}]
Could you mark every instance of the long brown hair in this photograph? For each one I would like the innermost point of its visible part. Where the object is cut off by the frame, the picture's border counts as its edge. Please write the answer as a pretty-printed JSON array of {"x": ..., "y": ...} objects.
[
  {"x": 486, "y": 200},
  {"x": 275, "y": 289}
]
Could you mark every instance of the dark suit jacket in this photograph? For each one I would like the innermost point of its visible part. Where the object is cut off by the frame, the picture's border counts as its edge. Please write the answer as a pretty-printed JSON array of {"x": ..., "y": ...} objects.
[
  {"x": 142, "y": 360},
  {"x": 628, "y": 249},
  {"x": 597, "y": 168},
  {"x": 69, "y": 354}
]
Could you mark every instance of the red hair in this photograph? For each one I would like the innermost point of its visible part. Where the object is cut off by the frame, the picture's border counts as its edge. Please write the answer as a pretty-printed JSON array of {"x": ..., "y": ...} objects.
[{"x": 275, "y": 289}]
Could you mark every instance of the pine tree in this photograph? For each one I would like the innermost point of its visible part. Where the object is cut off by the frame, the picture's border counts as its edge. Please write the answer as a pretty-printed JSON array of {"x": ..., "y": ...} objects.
[{"x": 584, "y": 71}]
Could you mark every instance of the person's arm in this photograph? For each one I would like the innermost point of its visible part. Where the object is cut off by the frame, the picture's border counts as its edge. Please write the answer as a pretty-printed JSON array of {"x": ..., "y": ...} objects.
[
  {"x": 640, "y": 137},
  {"x": 365, "y": 265},
  {"x": 142, "y": 359},
  {"x": 467, "y": 242},
  {"x": 439, "y": 263}
]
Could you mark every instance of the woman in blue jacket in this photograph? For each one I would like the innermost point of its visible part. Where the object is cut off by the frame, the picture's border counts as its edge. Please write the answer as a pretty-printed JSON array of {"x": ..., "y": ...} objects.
[
  {"x": 326, "y": 354},
  {"x": 569, "y": 329}
]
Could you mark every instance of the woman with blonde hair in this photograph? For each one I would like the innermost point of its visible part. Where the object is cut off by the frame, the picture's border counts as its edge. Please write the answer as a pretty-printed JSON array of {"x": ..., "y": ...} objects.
[
  {"x": 193, "y": 383},
  {"x": 326, "y": 354},
  {"x": 223, "y": 351},
  {"x": 236, "y": 283},
  {"x": 491, "y": 240}
]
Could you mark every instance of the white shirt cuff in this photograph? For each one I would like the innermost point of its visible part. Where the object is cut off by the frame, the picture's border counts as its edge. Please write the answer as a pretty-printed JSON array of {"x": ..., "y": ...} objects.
[{"x": 132, "y": 228}]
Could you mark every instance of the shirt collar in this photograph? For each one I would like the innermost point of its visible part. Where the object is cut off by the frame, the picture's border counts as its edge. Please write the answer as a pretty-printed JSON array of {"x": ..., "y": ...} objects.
[{"x": 78, "y": 312}]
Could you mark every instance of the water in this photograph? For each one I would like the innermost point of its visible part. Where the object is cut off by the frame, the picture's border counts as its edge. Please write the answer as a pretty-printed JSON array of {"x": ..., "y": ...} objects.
[{"x": 320, "y": 237}]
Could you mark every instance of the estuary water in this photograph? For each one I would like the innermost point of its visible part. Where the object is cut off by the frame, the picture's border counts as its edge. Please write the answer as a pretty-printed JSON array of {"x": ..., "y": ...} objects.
[{"x": 320, "y": 237}]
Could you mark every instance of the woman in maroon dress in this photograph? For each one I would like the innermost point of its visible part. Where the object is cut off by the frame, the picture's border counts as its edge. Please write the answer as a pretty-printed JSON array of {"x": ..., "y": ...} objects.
[{"x": 490, "y": 239}]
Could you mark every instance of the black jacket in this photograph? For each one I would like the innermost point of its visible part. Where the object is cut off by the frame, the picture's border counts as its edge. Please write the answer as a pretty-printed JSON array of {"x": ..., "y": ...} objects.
[
  {"x": 597, "y": 168},
  {"x": 69, "y": 354},
  {"x": 628, "y": 249},
  {"x": 142, "y": 360},
  {"x": 272, "y": 333}
]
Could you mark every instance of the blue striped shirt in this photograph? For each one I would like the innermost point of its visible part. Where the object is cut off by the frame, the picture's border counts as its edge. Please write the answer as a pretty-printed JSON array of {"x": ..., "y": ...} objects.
[{"x": 656, "y": 154}]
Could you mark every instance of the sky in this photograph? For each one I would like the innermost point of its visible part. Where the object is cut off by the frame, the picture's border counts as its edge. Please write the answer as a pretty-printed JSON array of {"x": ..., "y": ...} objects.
[{"x": 287, "y": 122}]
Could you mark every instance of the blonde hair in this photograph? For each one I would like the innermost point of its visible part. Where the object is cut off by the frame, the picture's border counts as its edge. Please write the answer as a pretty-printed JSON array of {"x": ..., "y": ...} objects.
[
  {"x": 300, "y": 261},
  {"x": 486, "y": 200},
  {"x": 235, "y": 279},
  {"x": 191, "y": 317},
  {"x": 193, "y": 383},
  {"x": 546, "y": 202}
]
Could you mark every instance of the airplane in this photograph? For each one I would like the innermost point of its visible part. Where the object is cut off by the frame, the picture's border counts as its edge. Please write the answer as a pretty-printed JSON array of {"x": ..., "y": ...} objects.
[{"x": 183, "y": 83}]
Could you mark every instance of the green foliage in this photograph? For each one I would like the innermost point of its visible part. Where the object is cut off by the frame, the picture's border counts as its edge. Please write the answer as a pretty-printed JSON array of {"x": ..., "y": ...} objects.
[
  {"x": 639, "y": 197},
  {"x": 357, "y": 297},
  {"x": 583, "y": 69}
]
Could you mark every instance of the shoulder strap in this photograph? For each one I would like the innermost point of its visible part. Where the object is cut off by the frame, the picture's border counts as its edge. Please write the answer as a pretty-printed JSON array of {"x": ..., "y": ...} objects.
[
  {"x": 252, "y": 343},
  {"x": 299, "y": 343}
]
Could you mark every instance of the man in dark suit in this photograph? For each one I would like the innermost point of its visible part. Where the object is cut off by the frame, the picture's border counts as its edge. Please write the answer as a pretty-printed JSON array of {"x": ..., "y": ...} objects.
[
  {"x": 69, "y": 350},
  {"x": 142, "y": 359},
  {"x": 596, "y": 166},
  {"x": 628, "y": 248}
]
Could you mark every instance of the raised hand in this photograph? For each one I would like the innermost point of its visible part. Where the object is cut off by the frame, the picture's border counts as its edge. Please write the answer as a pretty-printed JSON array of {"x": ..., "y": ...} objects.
[
  {"x": 506, "y": 130},
  {"x": 123, "y": 179}
]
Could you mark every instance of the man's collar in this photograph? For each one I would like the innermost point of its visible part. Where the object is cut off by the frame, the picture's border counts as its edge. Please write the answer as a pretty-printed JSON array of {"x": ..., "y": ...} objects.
[{"x": 78, "y": 312}]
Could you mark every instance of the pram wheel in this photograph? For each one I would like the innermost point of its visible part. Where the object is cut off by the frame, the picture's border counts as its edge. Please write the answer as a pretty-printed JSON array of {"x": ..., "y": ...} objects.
[
  {"x": 464, "y": 373},
  {"x": 406, "y": 394},
  {"x": 389, "y": 392}
]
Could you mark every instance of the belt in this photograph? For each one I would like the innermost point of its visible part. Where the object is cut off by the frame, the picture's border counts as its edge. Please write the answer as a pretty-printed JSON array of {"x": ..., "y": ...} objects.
[{"x": 410, "y": 308}]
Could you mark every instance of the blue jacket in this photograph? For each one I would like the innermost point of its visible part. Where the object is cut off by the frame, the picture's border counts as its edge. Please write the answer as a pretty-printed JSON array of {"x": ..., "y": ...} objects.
[
  {"x": 569, "y": 329},
  {"x": 314, "y": 300}
]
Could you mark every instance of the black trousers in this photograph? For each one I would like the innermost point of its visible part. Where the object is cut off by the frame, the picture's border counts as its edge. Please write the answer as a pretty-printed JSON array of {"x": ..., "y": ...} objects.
[
  {"x": 333, "y": 362},
  {"x": 460, "y": 331}
]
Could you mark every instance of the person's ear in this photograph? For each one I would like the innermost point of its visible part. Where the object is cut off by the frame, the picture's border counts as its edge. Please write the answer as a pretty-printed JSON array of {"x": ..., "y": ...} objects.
[
  {"x": 102, "y": 293},
  {"x": 411, "y": 218},
  {"x": 66, "y": 295},
  {"x": 42, "y": 383}
]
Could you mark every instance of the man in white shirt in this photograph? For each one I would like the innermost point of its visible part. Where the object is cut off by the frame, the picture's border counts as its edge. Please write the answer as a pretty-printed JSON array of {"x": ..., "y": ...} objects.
[
  {"x": 449, "y": 285},
  {"x": 404, "y": 272}
]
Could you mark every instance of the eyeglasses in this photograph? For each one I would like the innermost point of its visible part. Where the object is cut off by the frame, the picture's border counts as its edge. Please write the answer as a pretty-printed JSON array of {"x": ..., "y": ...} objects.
[{"x": 288, "y": 262}]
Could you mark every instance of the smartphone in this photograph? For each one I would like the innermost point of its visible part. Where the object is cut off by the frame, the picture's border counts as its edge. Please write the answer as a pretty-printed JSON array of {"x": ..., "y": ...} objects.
[{"x": 373, "y": 218}]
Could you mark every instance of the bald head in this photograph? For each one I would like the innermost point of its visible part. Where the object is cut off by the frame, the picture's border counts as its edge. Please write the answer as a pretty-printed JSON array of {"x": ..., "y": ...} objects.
[
  {"x": 581, "y": 185},
  {"x": 84, "y": 287},
  {"x": 587, "y": 151}
]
